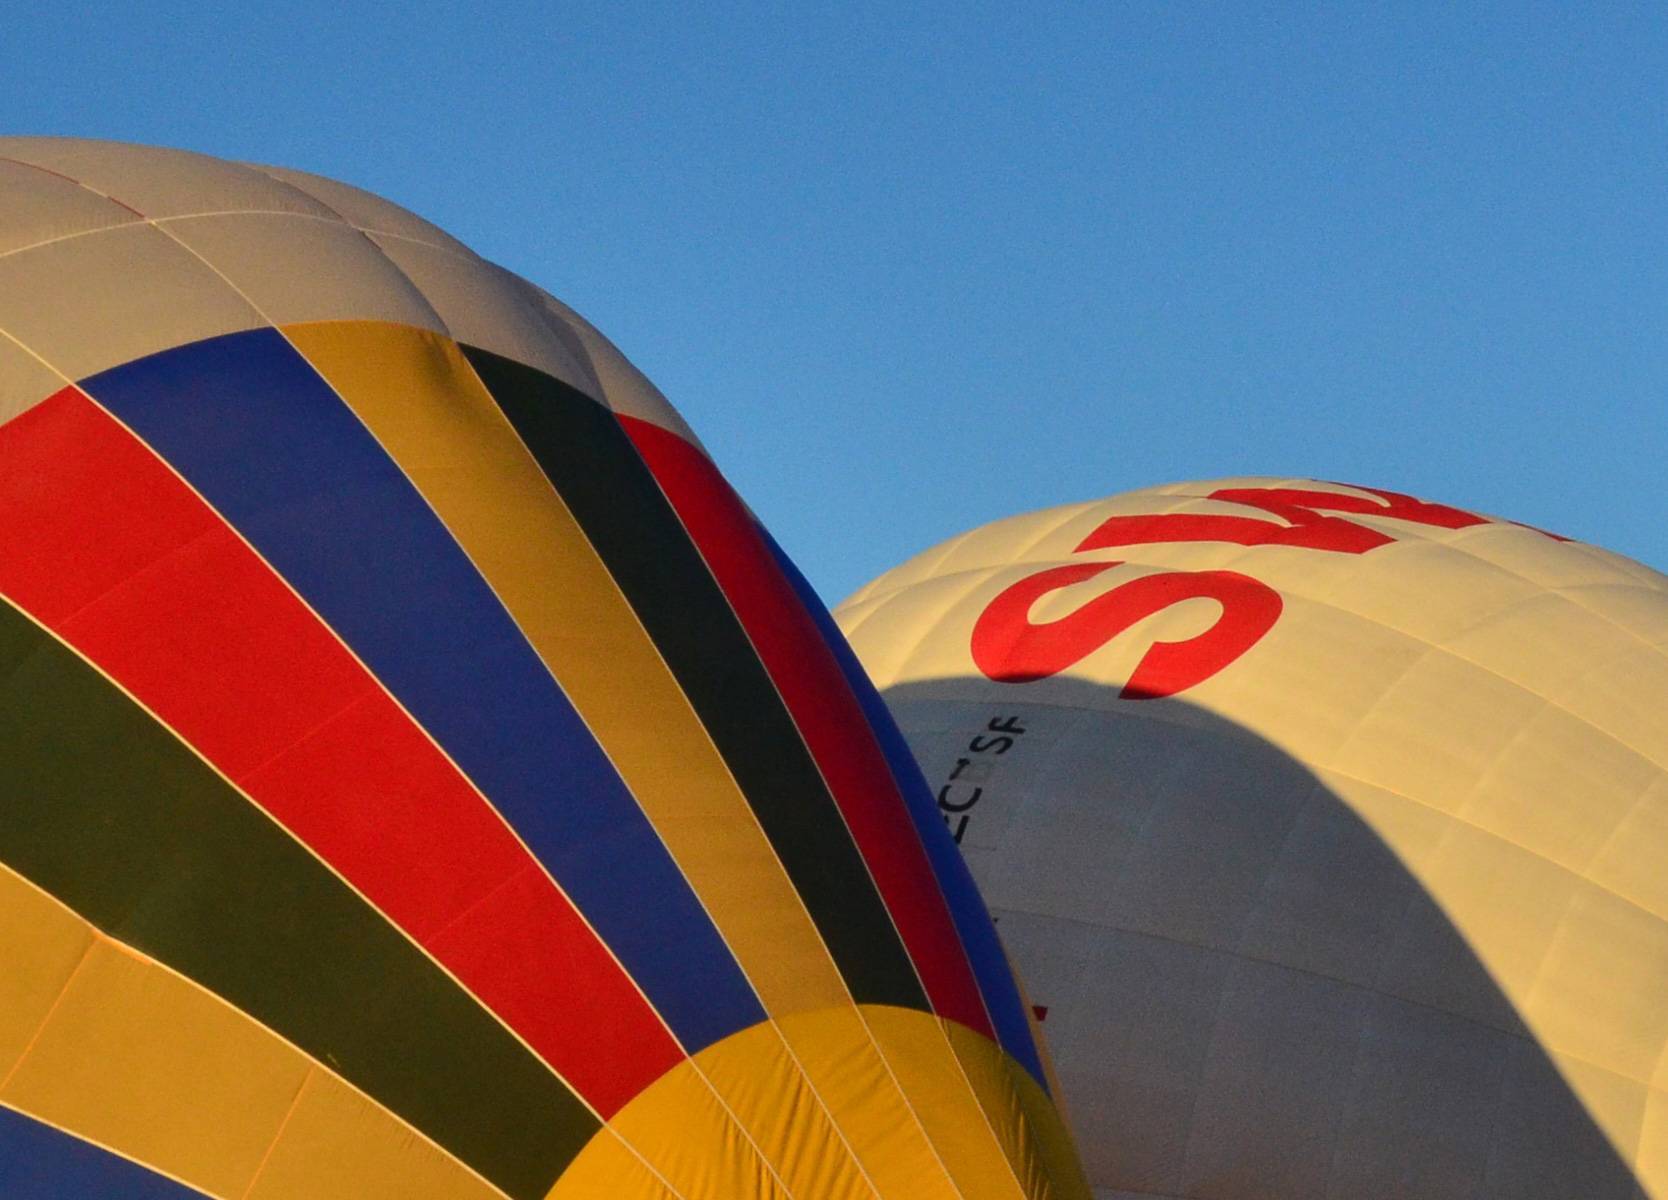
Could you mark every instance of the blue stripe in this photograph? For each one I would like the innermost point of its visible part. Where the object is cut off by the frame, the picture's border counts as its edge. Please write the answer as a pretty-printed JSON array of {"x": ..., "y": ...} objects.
[
  {"x": 38, "y": 1162},
  {"x": 266, "y": 441},
  {"x": 967, "y": 907}
]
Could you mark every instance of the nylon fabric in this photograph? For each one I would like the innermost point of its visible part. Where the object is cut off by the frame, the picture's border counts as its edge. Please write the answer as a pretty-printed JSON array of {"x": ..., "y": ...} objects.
[
  {"x": 394, "y": 796},
  {"x": 161, "y": 602},
  {"x": 186, "y": 870},
  {"x": 978, "y": 934},
  {"x": 362, "y": 534},
  {"x": 822, "y": 1113},
  {"x": 826, "y": 715},
  {"x": 586, "y": 455},
  {"x": 109, "y": 1046},
  {"x": 38, "y": 1162},
  {"x": 420, "y": 399},
  {"x": 1375, "y": 907}
]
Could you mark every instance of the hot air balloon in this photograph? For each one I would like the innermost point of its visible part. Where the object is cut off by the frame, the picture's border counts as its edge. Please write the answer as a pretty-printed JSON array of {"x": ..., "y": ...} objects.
[
  {"x": 1327, "y": 826},
  {"x": 419, "y": 774}
]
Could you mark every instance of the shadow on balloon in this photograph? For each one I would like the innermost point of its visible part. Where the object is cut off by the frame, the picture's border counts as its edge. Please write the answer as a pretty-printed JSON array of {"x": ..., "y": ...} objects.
[{"x": 1246, "y": 992}]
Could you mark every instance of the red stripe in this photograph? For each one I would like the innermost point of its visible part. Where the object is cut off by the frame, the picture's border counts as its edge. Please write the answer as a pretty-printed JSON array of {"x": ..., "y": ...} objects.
[
  {"x": 108, "y": 548},
  {"x": 828, "y": 715}
]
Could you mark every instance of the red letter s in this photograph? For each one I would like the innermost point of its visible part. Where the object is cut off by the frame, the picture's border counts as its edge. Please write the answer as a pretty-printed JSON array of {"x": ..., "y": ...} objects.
[{"x": 1008, "y": 648}]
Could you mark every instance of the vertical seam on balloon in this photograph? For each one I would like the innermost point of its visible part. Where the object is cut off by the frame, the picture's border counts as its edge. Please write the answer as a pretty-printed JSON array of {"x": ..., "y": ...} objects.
[
  {"x": 313, "y": 1063},
  {"x": 584, "y": 919},
  {"x": 822, "y": 1103},
  {"x": 452, "y": 537},
  {"x": 990, "y": 1125},
  {"x": 909, "y": 1104},
  {"x": 825, "y": 627},
  {"x": 416, "y": 724},
  {"x": 110, "y": 1150},
  {"x": 730, "y": 1113},
  {"x": 278, "y": 1135},
  {"x": 52, "y": 1009},
  {"x": 393, "y": 699},
  {"x": 819, "y": 769},
  {"x": 775, "y": 687},
  {"x": 324, "y": 863},
  {"x": 695, "y": 717},
  {"x": 817, "y": 766}
]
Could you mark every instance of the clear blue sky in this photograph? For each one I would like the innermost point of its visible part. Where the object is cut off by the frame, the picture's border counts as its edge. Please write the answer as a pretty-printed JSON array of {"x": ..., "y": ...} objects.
[{"x": 910, "y": 271}]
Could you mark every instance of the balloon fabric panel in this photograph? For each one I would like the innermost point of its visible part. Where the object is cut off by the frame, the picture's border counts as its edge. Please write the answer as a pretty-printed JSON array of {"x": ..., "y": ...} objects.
[
  {"x": 370, "y": 557},
  {"x": 162, "y": 601},
  {"x": 593, "y": 465},
  {"x": 973, "y": 924},
  {"x": 824, "y": 710},
  {"x": 394, "y": 822},
  {"x": 420, "y": 398},
  {"x": 100, "y": 1040},
  {"x": 185, "y": 864},
  {"x": 38, "y": 1162}
]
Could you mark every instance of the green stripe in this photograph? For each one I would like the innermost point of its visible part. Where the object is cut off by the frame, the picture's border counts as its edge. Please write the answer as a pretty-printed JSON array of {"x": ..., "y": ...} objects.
[
  {"x": 591, "y": 462},
  {"x": 109, "y": 812}
]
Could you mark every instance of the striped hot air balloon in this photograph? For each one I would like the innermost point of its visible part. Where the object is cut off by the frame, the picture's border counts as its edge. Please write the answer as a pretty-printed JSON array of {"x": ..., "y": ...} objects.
[
  {"x": 419, "y": 774},
  {"x": 1328, "y": 825}
]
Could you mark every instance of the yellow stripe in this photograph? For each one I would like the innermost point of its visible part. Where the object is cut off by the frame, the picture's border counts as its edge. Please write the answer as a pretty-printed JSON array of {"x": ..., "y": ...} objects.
[
  {"x": 109, "y": 1045},
  {"x": 417, "y": 395},
  {"x": 856, "y": 1136}
]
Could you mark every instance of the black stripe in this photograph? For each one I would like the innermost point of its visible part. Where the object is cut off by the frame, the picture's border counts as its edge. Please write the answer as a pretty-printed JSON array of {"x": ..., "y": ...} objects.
[
  {"x": 109, "y": 812},
  {"x": 591, "y": 462}
]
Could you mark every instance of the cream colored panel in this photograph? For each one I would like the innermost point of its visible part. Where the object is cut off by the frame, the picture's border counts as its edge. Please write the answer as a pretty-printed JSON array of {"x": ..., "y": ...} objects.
[
  {"x": 24, "y": 379},
  {"x": 1393, "y": 747},
  {"x": 625, "y": 389},
  {"x": 364, "y": 210},
  {"x": 302, "y": 269},
  {"x": 487, "y": 307},
  {"x": 1602, "y": 993},
  {"x": 97, "y": 301},
  {"x": 41, "y": 206},
  {"x": 159, "y": 182},
  {"x": 1375, "y": 910}
]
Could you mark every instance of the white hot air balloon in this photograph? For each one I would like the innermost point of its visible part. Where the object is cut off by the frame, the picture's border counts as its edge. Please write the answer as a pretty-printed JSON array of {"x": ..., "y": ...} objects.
[{"x": 1328, "y": 828}]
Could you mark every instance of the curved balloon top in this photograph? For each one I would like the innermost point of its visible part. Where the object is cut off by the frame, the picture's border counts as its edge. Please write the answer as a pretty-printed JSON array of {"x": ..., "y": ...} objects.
[
  {"x": 1326, "y": 823},
  {"x": 423, "y": 778}
]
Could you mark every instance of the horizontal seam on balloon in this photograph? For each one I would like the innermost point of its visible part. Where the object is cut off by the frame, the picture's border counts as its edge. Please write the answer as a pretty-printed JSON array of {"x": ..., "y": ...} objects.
[
  {"x": 562, "y": 891},
  {"x": 266, "y": 1030},
  {"x": 695, "y": 718},
  {"x": 78, "y": 183},
  {"x": 1450, "y": 653},
  {"x": 52, "y": 1009},
  {"x": 817, "y": 766},
  {"x": 278, "y": 1136},
  {"x": 453, "y": 539},
  {"x": 285, "y": 832}
]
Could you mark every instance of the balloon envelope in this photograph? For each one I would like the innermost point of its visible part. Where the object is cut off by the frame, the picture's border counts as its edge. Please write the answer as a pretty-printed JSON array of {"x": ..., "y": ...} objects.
[
  {"x": 1328, "y": 826},
  {"x": 421, "y": 776}
]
